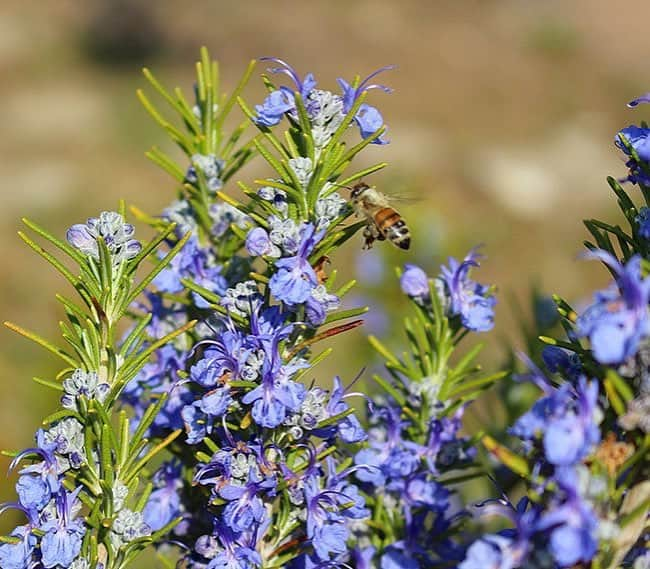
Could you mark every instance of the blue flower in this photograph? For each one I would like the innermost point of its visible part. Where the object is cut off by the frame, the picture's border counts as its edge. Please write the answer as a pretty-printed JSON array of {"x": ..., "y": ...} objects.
[
  {"x": 639, "y": 100},
  {"x": 368, "y": 119},
  {"x": 325, "y": 109},
  {"x": 269, "y": 326},
  {"x": 325, "y": 527},
  {"x": 61, "y": 542},
  {"x": 49, "y": 469},
  {"x": 349, "y": 428},
  {"x": 394, "y": 558},
  {"x": 532, "y": 424},
  {"x": 319, "y": 303},
  {"x": 490, "y": 552},
  {"x": 277, "y": 394},
  {"x": 274, "y": 107},
  {"x": 329, "y": 538},
  {"x": 573, "y": 532},
  {"x": 242, "y": 469},
  {"x": 618, "y": 319},
  {"x": 198, "y": 417},
  {"x": 643, "y": 220},
  {"x": 558, "y": 360},
  {"x": 196, "y": 422},
  {"x": 281, "y": 101},
  {"x": 18, "y": 555},
  {"x": 226, "y": 550},
  {"x": 215, "y": 403},
  {"x": 304, "y": 87},
  {"x": 351, "y": 94},
  {"x": 638, "y": 138},
  {"x": 401, "y": 463},
  {"x": 566, "y": 420},
  {"x": 33, "y": 492},
  {"x": 414, "y": 282},
  {"x": 405, "y": 473},
  {"x": 233, "y": 356},
  {"x": 363, "y": 557},
  {"x": 346, "y": 495},
  {"x": 295, "y": 278},
  {"x": 564, "y": 440},
  {"x": 225, "y": 358},
  {"x": 423, "y": 492},
  {"x": 236, "y": 558},
  {"x": 206, "y": 373},
  {"x": 444, "y": 447},
  {"x": 571, "y": 437},
  {"x": 164, "y": 503},
  {"x": 219, "y": 470},
  {"x": 370, "y": 461},
  {"x": 473, "y": 302},
  {"x": 245, "y": 506},
  {"x": 258, "y": 243},
  {"x": 389, "y": 457}
]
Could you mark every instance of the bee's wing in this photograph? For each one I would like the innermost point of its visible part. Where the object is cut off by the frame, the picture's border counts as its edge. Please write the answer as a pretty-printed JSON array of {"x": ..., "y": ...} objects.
[{"x": 405, "y": 198}]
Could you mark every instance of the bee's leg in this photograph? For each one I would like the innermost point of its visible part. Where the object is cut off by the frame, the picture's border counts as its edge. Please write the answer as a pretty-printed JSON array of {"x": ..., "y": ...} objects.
[
  {"x": 368, "y": 237},
  {"x": 370, "y": 234}
]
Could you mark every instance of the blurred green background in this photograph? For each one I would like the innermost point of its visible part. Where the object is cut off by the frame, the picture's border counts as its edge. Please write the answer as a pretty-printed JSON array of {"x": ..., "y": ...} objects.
[{"x": 502, "y": 123}]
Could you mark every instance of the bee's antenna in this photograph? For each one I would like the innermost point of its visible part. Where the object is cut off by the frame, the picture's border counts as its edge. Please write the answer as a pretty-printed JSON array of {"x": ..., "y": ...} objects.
[{"x": 341, "y": 186}]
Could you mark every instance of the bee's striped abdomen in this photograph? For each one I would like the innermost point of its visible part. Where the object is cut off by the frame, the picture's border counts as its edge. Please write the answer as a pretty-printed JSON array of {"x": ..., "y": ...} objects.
[{"x": 393, "y": 227}]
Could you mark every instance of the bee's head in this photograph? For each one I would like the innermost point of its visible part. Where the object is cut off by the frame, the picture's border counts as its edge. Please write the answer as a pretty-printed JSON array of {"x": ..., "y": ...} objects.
[{"x": 358, "y": 189}]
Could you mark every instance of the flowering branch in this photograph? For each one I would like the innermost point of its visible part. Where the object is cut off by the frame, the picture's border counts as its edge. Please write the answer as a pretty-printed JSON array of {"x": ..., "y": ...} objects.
[
  {"x": 82, "y": 460},
  {"x": 582, "y": 448},
  {"x": 414, "y": 444}
]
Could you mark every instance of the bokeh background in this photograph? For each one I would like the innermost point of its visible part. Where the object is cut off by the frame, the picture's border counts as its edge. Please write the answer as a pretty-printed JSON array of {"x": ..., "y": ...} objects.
[{"x": 502, "y": 124}]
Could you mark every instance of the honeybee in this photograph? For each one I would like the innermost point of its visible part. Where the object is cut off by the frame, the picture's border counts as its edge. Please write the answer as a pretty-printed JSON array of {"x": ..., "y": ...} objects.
[{"x": 384, "y": 221}]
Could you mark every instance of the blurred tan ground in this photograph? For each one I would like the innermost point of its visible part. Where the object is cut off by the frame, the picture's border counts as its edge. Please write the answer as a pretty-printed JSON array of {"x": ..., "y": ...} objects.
[{"x": 502, "y": 121}]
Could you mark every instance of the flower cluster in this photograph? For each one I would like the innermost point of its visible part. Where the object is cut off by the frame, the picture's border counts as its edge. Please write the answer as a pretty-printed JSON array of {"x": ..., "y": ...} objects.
[
  {"x": 246, "y": 379},
  {"x": 111, "y": 229},
  {"x": 53, "y": 533},
  {"x": 325, "y": 110},
  {"x": 562, "y": 527},
  {"x": 562, "y": 430},
  {"x": 210, "y": 167},
  {"x": 406, "y": 474},
  {"x": 619, "y": 318},
  {"x": 462, "y": 297}
]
